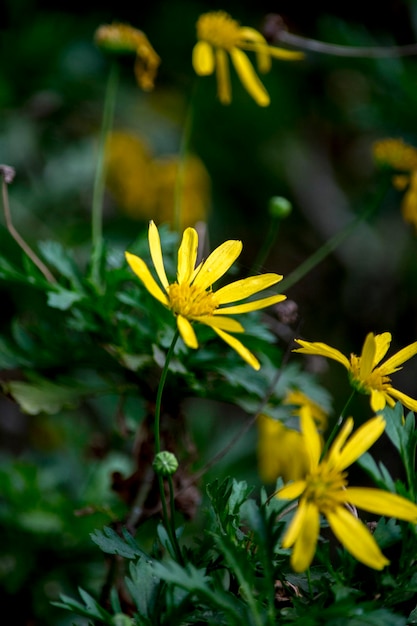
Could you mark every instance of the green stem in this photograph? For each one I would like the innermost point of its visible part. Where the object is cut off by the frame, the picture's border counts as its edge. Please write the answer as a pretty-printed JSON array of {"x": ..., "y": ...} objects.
[
  {"x": 267, "y": 246},
  {"x": 183, "y": 153},
  {"x": 169, "y": 524},
  {"x": 330, "y": 245},
  {"x": 337, "y": 425},
  {"x": 100, "y": 175}
]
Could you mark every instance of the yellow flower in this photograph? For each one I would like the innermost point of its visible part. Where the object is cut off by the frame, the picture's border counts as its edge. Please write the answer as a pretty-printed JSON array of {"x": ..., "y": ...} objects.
[
  {"x": 191, "y": 298},
  {"x": 401, "y": 156},
  {"x": 144, "y": 187},
  {"x": 325, "y": 490},
  {"x": 219, "y": 35},
  {"x": 281, "y": 451},
  {"x": 119, "y": 37},
  {"x": 396, "y": 154},
  {"x": 365, "y": 375}
]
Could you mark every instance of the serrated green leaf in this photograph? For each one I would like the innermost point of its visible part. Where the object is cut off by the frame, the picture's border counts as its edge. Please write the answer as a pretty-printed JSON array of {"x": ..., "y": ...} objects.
[
  {"x": 111, "y": 543},
  {"x": 142, "y": 584},
  {"x": 56, "y": 255}
]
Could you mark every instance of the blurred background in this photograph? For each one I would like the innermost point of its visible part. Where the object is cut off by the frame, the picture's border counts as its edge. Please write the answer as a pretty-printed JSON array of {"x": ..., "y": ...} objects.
[{"x": 312, "y": 145}]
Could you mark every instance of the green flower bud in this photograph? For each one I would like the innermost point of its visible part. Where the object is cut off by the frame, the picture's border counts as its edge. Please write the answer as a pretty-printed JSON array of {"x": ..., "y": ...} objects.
[
  {"x": 165, "y": 463},
  {"x": 121, "y": 620},
  {"x": 279, "y": 207}
]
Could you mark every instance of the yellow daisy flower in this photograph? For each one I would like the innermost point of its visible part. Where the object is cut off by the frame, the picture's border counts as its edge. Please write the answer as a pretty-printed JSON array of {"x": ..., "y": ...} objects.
[
  {"x": 324, "y": 490},
  {"x": 121, "y": 38},
  {"x": 365, "y": 375},
  {"x": 218, "y": 36},
  {"x": 191, "y": 298}
]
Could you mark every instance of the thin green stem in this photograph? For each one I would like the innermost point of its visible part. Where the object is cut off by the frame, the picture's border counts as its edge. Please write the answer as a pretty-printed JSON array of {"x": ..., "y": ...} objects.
[
  {"x": 183, "y": 154},
  {"x": 338, "y": 424},
  {"x": 169, "y": 524},
  {"x": 100, "y": 175},
  {"x": 267, "y": 246},
  {"x": 330, "y": 245}
]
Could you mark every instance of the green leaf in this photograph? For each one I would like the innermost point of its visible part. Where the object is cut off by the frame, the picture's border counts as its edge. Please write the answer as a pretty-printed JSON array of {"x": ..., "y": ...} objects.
[
  {"x": 143, "y": 584},
  {"x": 62, "y": 298},
  {"x": 56, "y": 255},
  {"x": 111, "y": 543},
  {"x": 90, "y": 608},
  {"x": 42, "y": 396}
]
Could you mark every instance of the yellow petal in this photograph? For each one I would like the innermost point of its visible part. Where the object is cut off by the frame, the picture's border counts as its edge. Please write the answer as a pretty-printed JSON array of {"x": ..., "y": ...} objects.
[
  {"x": 361, "y": 440},
  {"x": 378, "y": 400},
  {"x": 187, "y": 256},
  {"x": 239, "y": 348},
  {"x": 248, "y": 77},
  {"x": 294, "y": 527},
  {"x": 311, "y": 436},
  {"x": 367, "y": 359},
  {"x": 156, "y": 253},
  {"x": 187, "y": 332},
  {"x": 141, "y": 270},
  {"x": 286, "y": 55},
  {"x": 261, "y": 48},
  {"x": 382, "y": 344},
  {"x": 322, "y": 349},
  {"x": 217, "y": 263},
  {"x": 291, "y": 491},
  {"x": 403, "y": 398},
  {"x": 305, "y": 544},
  {"x": 203, "y": 58},
  {"x": 391, "y": 365},
  {"x": 224, "y": 323},
  {"x": 224, "y": 90},
  {"x": 254, "y": 305},
  {"x": 356, "y": 538},
  {"x": 382, "y": 503},
  {"x": 246, "y": 287}
]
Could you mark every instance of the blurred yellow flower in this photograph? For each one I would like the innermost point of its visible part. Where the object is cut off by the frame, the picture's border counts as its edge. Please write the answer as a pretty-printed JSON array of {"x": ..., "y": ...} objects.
[
  {"x": 365, "y": 375},
  {"x": 397, "y": 154},
  {"x": 191, "y": 297},
  {"x": 324, "y": 491},
  {"x": 121, "y": 38},
  {"x": 218, "y": 36},
  {"x": 281, "y": 450},
  {"x": 144, "y": 187}
]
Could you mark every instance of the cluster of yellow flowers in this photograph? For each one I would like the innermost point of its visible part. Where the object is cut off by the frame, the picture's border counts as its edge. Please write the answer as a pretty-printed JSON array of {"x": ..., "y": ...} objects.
[{"x": 316, "y": 477}]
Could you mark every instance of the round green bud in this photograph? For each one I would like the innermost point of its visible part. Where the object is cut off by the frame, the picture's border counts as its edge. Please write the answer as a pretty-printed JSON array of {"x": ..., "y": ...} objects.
[
  {"x": 165, "y": 463},
  {"x": 279, "y": 207}
]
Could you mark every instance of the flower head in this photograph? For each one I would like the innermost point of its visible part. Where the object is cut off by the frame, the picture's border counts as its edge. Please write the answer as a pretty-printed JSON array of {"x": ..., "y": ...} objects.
[
  {"x": 218, "y": 36},
  {"x": 397, "y": 154},
  {"x": 365, "y": 373},
  {"x": 191, "y": 297},
  {"x": 121, "y": 38},
  {"x": 324, "y": 491}
]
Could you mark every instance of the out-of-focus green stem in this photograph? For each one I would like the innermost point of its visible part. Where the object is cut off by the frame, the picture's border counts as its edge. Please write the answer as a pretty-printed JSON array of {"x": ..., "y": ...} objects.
[{"x": 100, "y": 175}]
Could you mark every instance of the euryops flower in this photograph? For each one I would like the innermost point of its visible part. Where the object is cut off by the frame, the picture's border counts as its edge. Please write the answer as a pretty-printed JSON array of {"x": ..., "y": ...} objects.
[
  {"x": 401, "y": 156},
  {"x": 121, "y": 38},
  {"x": 191, "y": 298},
  {"x": 324, "y": 491},
  {"x": 365, "y": 373},
  {"x": 218, "y": 36}
]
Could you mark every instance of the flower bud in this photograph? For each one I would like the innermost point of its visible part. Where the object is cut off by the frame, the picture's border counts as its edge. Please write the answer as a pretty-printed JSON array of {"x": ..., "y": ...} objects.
[
  {"x": 279, "y": 207},
  {"x": 165, "y": 463}
]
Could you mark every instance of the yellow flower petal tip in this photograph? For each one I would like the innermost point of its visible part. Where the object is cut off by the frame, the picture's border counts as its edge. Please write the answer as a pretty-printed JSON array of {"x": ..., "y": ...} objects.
[
  {"x": 219, "y": 37},
  {"x": 191, "y": 297}
]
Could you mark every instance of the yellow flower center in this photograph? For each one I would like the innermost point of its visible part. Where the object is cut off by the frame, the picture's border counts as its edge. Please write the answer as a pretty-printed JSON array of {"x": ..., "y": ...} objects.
[
  {"x": 323, "y": 485},
  {"x": 219, "y": 29},
  {"x": 396, "y": 153},
  {"x": 191, "y": 301},
  {"x": 375, "y": 380}
]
